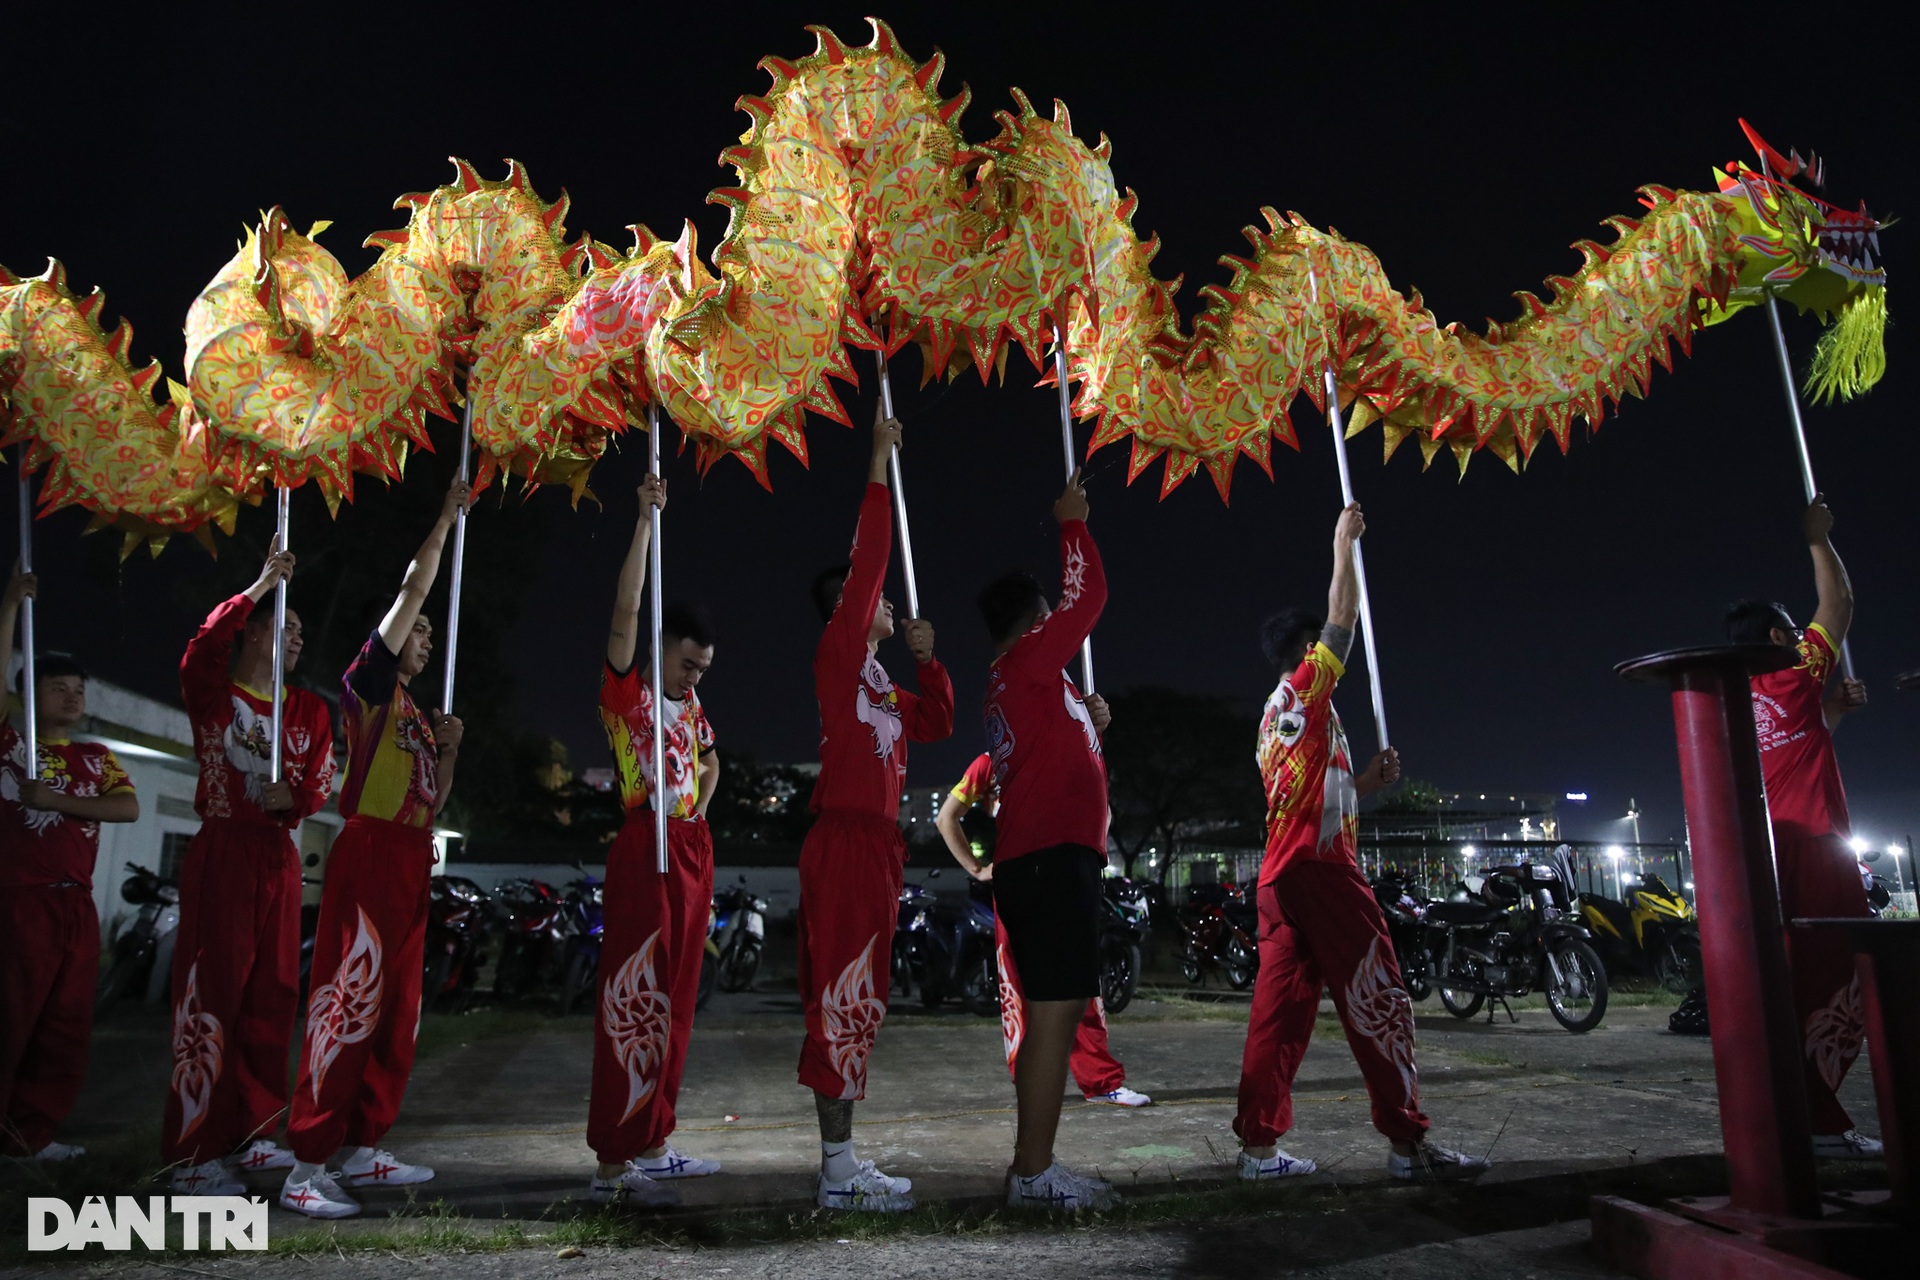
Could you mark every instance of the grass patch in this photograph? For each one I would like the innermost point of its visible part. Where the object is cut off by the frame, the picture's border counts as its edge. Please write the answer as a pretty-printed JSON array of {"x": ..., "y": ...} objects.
[{"x": 441, "y": 1032}]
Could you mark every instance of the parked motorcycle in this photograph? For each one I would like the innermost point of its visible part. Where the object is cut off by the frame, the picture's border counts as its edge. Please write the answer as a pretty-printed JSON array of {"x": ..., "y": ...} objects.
[
  {"x": 581, "y": 965},
  {"x": 1653, "y": 934},
  {"x": 738, "y": 935},
  {"x": 909, "y": 936},
  {"x": 1512, "y": 933},
  {"x": 709, "y": 963},
  {"x": 1123, "y": 929},
  {"x": 951, "y": 953},
  {"x": 1413, "y": 939},
  {"x": 459, "y": 913},
  {"x": 142, "y": 949},
  {"x": 1222, "y": 931},
  {"x": 531, "y": 920}
]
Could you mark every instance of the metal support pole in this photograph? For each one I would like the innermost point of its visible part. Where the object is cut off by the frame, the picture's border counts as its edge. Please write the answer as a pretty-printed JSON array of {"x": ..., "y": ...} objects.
[
  {"x": 1800, "y": 440},
  {"x": 283, "y": 506},
  {"x": 1359, "y": 567},
  {"x": 459, "y": 557},
  {"x": 1764, "y": 1120},
  {"x": 1066, "y": 447},
  {"x": 899, "y": 495},
  {"x": 656, "y": 610},
  {"x": 29, "y": 680}
]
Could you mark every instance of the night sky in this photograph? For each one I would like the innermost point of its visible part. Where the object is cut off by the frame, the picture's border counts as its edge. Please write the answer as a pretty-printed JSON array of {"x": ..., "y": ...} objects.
[{"x": 1467, "y": 152}]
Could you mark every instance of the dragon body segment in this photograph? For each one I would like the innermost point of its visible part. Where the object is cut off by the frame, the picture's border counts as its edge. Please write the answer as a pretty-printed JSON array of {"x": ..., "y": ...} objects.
[{"x": 862, "y": 216}]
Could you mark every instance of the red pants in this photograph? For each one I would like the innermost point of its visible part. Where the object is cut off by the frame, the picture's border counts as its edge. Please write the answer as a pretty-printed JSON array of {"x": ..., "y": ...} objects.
[
  {"x": 363, "y": 1006},
  {"x": 1821, "y": 877},
  {"x": 49, "y": 962},
  {"x": 1095, "y": 1069},
  {"x": 851, "y": 868},
  {"x": 1320, "y": 925},
  {"x": 652, "y": 940},
  {"x": 236, "y": 985}
]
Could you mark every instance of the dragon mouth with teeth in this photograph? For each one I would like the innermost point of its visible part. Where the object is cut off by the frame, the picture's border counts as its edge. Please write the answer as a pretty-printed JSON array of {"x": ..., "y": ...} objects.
[{"x": 1809, "y": 251}]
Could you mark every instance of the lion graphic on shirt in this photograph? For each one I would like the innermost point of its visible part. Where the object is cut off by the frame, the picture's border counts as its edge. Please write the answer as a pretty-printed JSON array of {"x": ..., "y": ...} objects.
[{"x": 877, "y": 708}]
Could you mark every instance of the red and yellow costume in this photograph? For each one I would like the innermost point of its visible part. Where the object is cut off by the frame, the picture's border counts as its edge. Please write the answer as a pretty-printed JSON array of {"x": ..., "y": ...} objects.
[
  {"x": 654, "y": 926},
  {"x": 363, "y": 1006},
  {"x": 852, "y": 862},
  {"x": 49, "y": 935},
  {"x": 1818, "y": 872},
  {"x": 236, "y": 961},
  {"x": 1319, "y": 923}
]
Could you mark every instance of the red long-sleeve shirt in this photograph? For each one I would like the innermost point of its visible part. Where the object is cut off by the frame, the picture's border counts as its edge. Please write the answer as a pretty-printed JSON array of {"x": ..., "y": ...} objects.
[
  {"x": 233, "y": 730},
  {"x": 1046, "y": 755},
  {"x": 866, "y": 723}
]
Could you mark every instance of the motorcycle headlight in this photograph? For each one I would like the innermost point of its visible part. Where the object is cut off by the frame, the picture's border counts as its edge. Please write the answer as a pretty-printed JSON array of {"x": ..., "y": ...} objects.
[
  {"x": 760, "y": 904},
  {"x": 598, "y": 894},
  {"x": 919, "y": 920}
]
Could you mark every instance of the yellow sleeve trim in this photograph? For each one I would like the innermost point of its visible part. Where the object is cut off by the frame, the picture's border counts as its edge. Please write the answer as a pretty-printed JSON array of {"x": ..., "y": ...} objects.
[
  {"x": 1824, "y": 635},
  {"x": 1328, "y": 656}
]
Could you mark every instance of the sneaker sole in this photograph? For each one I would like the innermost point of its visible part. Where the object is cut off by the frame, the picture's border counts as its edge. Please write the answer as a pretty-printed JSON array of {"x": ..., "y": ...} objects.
[
  {"x": 352, "y": 1181},
  {"x": 345, "y": 1211}
]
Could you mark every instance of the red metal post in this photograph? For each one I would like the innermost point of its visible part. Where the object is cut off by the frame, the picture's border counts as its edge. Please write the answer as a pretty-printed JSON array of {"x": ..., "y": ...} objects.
[{"x": 1756, "y": 1039}]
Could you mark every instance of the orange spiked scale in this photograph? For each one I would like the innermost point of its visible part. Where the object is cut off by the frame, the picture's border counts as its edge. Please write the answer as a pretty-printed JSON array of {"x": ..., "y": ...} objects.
[{"x": 861, "y": 214}]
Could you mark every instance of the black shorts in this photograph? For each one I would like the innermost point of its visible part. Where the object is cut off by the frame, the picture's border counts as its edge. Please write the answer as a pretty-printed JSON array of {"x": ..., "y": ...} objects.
[{"x": 1049, "y": 903}]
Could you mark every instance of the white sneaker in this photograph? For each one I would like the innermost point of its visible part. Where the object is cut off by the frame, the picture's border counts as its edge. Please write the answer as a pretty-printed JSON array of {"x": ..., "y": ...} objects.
[
  {"x": 68, "y": 1151},
  {"x": 1122, "y": 1097},
  {"x": 671, "y": 1164},
  {"x": 1433, "y": 1161},
  {"x": 1277, "y": 1165},
  {"x": 867, "y": 1191},
  {"x": 1851, "y": 1145},
  {"x": 318, "y": 1197},
  {"x": 1057, "y": 1187},
  {"x": 209, "y": 1179},
  {"x": 380, "y": 1169},
  {"x": 632, "y": 1187},
  {"x": 264, "y": 1154}
]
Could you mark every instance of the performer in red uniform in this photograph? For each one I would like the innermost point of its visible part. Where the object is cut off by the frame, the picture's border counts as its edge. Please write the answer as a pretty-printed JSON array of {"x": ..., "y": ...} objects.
[
  {"x": 50, "y": 820},
  {"x": 1319, "y": 922},
  {"x": 851, "y": 863},
  {"x": 1818, "y": 872},
  {"x": 655, "y": 926},
  {"x": 1052, "y": 839},
  {"x": 1101, "y": 1076},
  {"x": 363, "y": 1009},
  {"x": 236, "y": 962}
]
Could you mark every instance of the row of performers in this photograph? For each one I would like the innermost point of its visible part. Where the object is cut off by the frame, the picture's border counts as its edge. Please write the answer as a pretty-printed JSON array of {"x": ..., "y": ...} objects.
[{"x": 236, "y": 957}]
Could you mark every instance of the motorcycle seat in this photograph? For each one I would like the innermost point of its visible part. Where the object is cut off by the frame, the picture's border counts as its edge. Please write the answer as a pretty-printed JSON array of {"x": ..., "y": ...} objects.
[{"x": 1462, "y": 913}]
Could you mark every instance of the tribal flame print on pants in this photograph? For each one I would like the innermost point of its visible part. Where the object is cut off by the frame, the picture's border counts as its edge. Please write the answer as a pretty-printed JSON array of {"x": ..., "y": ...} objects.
[
  {"x": 364, "y": 1014},
  {"x": 654, "y": 937},
  {"x": 236, "y": 990},
  {"x": 850, "y": 873},
  {"x": 1820, "y": 876},
  {"x": 1095, "y": 1069},
  {"x": 1320, "y": 926}
]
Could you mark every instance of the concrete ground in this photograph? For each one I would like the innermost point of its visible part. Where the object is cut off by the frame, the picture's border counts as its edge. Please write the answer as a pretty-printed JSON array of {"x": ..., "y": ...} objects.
[{"x": 498, "y": 1106}]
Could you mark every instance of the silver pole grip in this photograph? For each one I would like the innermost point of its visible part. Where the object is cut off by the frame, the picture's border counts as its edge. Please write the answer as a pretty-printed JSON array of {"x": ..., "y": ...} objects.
[
  {"x": 1066, "y": 447},
  {"x": 283, "y": 510},
  {"x": 899, "y": 497},
  {"x": 1359, "y": 565},
  {"x": 1800, "y": 440},
  {"x": 29, "y": 680},
  {"x": 459, "y": 558},
  {"x": 656, "y": 609}
]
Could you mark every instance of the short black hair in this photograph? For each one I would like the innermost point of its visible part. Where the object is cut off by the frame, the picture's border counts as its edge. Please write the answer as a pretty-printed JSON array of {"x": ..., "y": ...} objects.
[
  {"x": 1752, "y": 621},
  {"x": 827, "y": 586},
  {"x": 50, "y": 666},
  {"x": 687, "y": 622},
  {"x": 1281, "y": 635},
  {"x": 1009, "y": 603}
]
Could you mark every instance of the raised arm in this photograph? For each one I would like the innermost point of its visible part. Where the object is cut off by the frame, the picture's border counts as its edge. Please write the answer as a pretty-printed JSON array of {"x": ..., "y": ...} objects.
[
  {"x": 623, "y": 638},
  {"x": 398, "y": 624},
  {"x": 1343, "y": 597},
  {"x": 20, "y": 586},
  {"x": 872, "y": 542},
  {"x": 1083, "y": 583},
  {"x": 204, "y": 667},
  {"x": 928, "y": 715},
  {"x": 1835, "y": 611}
]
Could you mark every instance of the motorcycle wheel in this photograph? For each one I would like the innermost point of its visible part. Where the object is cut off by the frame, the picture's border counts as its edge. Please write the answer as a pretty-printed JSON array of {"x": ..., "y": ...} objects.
[
  {"x": 581, "y": 972},
  {"x": 1120, "y": 976},
  {"x": 1678, "y": 968},
  {"x": 1242, "y": 966},
  {"x": 116, "y": 980},
  {"x": 1576, "y": 985},
  {"x": 1190, "y": 969},
  {"x": 1461, "y": 1004},
  {"x": 709, "y": 979},
  {"x": 739, "y": 965},
  {"x": 983, "y": 989},
  {"x": 1418, "y": 989}
]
